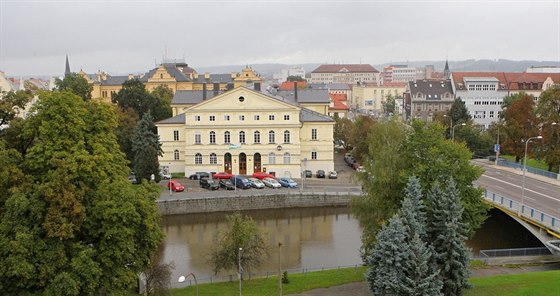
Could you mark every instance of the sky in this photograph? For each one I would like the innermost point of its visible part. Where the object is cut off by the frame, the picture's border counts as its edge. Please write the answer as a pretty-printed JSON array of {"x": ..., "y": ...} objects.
[{"x": 132, "y": 36}]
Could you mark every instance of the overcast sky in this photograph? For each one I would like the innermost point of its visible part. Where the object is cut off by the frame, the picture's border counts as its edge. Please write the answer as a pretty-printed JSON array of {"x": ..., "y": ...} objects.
[{"x": 126, "y": 36}]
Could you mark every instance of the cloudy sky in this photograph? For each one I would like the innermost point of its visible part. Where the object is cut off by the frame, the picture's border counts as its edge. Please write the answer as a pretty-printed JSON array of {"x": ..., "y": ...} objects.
[{"x": 130, "y": 36}]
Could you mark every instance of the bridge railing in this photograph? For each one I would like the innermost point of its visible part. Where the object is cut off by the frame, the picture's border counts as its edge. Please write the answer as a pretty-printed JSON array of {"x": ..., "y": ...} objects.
[
  {"x": 531, "y": 170},
  {"x": 538, "y": 217},
  {"x": 519, "y": 252}
]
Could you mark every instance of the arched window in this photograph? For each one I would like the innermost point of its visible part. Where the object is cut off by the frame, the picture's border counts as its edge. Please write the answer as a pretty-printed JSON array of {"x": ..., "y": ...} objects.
[
  {"x": 286, "y": 136},
  {"x": 287, "y": 158},
  {"x": 176, "y": 154},
  {"x": 272, "y": 158},
  {"x": 198, "y": 158},
  {"x": 227, "y": 137},
  {"x": 242, "y": 137},
  {"x": 257, "y": 137},
  {"x": 213, "y": 158},
  {"x": 212, "y": 137},
  {"x": 271, "y": 137}
]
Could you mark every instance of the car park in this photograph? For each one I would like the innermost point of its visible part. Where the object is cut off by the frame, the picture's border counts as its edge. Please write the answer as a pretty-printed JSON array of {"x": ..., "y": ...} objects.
[
  {"x": 256, "y": 183},
  {"x": 175, "y": 186},
  {"x": 262, "y": 175},
  {"x": 209, "y": 184},
  {"x": 222, "y": 175},
  {"x": 287, "y": 182},
  {"x": 240, "y": 182},
  {"x": 272, "y": 183},
  {"x": 226, "y": 184},
  {"x": 333, "y": 175},
  {"x": 164, "y": 176},
  {"x": 199, "y": 175},
  {"x": 320, "y": 174},
  {"x": 308, "y": 174}
]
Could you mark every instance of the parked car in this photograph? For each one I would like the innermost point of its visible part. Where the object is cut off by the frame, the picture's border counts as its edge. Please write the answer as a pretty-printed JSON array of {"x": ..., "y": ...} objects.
[
  {"x": 226, "y": 183},
  {"x": 287, "y": 182},
  {"x": 361, "y": 169},
  {"x": 164, "y": 176},
  {"x": 175, "y": 186},
  {"x": 262, "y": 175},
  {"x": 222, "y": 175},
  {"x": 132, "y": 179},
  {"x": 333, "y": 175},
  {"x": 256, "y": 183},
  {"x": 308, "y": 174},
  {"x": 199, "y": 175},
  {"x": 272, "y": 183},
  {"x": 209, "y": 184},
  {"x": 320, "y": 174},
  {"x": 241, "y": 182}
]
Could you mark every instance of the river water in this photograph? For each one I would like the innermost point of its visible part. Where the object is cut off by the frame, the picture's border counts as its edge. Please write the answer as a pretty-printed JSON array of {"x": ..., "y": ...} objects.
[{"x": 311, "y": 238}]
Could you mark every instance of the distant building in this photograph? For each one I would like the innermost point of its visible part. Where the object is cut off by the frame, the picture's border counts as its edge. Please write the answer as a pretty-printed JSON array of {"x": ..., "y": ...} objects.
[
  {"x": 338, "y": 106},
  {"x": 370, "y": 98},
  {"x": 543, "y": 69},
  {"x": 404, "y": 74},
  {"x": 294, "y": 71},
  {"x": 428, "y": 97},
  {"x": 344, "y": 73}
]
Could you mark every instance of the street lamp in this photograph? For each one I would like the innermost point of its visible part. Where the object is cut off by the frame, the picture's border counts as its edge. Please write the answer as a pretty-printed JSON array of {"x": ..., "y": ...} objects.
[
  {"x": 183, "y": 278},
  {"x": 453, "y": 131},
  {"x": 524, "y": 168},
  {"x": 279, "y": 269},
  {"x": 239, "y": 269},
  {"x": 169, "y": 184}
]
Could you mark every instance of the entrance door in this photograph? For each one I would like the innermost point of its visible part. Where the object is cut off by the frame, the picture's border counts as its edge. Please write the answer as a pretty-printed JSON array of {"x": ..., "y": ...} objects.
[
  {"x": 227, "y": 163},
  {"x": 242, "y": 164},
  {"x": 257, "y": 161}
]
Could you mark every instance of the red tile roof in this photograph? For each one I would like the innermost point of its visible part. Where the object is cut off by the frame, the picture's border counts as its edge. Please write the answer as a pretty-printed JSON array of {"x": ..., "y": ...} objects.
[
  {"x": 339, "y": 102},
  {"x": 338, "y": 97},
  {"x": 350, "y": 68},
  {"x": 288, "y": 85}
]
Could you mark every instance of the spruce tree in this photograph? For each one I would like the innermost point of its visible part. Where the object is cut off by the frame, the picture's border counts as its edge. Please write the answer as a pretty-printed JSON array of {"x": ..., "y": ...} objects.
[
  {"x": 413, "y": 211},
  {"x": 447, "y": 234},
  {"x": 146, "y": 148}
]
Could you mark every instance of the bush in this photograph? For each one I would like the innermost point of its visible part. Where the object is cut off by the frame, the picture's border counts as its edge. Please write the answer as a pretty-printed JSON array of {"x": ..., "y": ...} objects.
[{"x": 285, "y": 279}]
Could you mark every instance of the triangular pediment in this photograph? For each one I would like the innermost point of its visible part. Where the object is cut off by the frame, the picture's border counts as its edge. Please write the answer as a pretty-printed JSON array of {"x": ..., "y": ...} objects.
[{"x": 242, "y": 98}]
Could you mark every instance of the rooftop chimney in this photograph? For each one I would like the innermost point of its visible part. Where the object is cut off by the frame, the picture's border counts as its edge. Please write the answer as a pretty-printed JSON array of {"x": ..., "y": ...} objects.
[
  {"x": 257, "y": 86},
  {"x": 216, "y": 88},
  {"x": 295, "y": 91},
  {"x": 229, "y": 86},
  {"x": 204, "y": 91},
  {"x": 206, "y": 75}
]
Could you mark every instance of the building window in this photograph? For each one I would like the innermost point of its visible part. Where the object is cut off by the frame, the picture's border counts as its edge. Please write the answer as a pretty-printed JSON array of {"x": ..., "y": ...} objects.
[
  {"x": 241, "y": 117},
  {"x": 271, "y": 137},
  {"x": 257, "y": 137},
  {"x": 226, "y": 117},
  {"x": 242, "y": 137},
  {"x": 176, "y": 154},
  {"x": 491, "y": 114},
  {"x": 286, "y": 136},
  {"x": 287, "y": 158},
  {"x": 198, "y": 158},
  {"x": 286, "y": 117},
  {"x": 313, "y": 134},
  {"x": 212, "y": 118},
  {"x": 197, "y": 118},
  {"x": 175, "y": 135},
  {"x": 270, "y": 117},
  {"x": 271, "y": 158},
  {"x": 227, "y": 138},
  {"x": 257, "y": 117},
  {"x": 313, "y": 154},
  {"x": 197, "y": 138},
  {"x": 213, "y": 158},
  {"x": 212, "y": 137}
]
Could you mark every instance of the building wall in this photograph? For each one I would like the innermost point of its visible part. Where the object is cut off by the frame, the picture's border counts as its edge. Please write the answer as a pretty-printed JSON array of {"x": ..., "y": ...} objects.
[
  {"x": 347, "y": 77},
  {"x": 369, "y": 98}
]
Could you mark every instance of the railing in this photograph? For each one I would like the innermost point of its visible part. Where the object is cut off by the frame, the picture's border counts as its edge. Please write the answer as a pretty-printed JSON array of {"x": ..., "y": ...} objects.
[
  {"x": 529, "y": 169},
  {"x": 535, "y": 216},
  {"x": 485, "y": 254}
]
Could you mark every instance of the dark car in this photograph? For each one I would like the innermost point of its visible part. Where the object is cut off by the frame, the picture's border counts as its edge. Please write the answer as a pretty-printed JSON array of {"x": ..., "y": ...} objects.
[
  {"x": 199, "y": 175},
  {"x": 209, "y": 184},
  {"x": 320, "y": 174},
  {"x": 308, "y": 174},
  {"x": 225, "y": 183},
  {"x": 241, "y": 182}
]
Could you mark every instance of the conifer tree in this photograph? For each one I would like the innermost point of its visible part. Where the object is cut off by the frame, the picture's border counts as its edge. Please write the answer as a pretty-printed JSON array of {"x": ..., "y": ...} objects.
[
  {"x": 447, "y": 234},
  {"x": 412, "y": 210},
  {"x": 146, "y": 148}
]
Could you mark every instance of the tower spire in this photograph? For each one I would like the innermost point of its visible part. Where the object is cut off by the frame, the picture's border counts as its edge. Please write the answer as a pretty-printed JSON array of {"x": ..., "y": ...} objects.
[
  {"x": 67, "y": 71},
  {"x": 446, "y": 73}
]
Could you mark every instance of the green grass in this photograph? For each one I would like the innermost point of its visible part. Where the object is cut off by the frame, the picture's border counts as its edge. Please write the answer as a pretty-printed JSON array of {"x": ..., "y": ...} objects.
[
  {"x": 535, "y": 163},
  {"x": 262, "y": 287},
  {"x": 542, "y": 283}
]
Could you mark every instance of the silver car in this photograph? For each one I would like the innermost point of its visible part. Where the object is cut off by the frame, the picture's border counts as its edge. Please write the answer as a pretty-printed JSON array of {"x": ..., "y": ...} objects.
[
  {"x": 256, "y": 183},
  {"x": 272, "y": 183}
]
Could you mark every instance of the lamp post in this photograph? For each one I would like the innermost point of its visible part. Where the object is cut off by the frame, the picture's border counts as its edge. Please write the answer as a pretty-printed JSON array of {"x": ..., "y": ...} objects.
[
  {"x": 279, "y": 269},
  {"x": 169, "y": 184},
  {"x": 453, "y": 131},
  {"x": 239, "y": 269},
  {"x": 524, "y": 168},
  {"x": 183, "y": 278}
]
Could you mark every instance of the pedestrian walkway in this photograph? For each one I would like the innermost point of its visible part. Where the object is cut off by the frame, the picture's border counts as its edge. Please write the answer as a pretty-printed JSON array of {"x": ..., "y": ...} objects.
[{"x": 490, "y": 164}]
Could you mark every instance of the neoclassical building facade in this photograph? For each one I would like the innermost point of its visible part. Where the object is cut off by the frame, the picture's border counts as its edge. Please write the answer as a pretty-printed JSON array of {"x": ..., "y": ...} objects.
[{"x": 243, "y": 131}]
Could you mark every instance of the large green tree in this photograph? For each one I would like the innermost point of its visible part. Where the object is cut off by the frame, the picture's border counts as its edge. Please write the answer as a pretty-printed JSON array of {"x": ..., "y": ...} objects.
[
  {"x": 162, "y": 108},
  {"x": 363, "y": 126},
  {"x": 146, "y": 148},
  {"x": 520, "y": 123},
  {"x": 70, "y": 222},
  {"x": 343, "y": 130},
  {"x": 458, "y": 113},
  {"x": 134, "y": 95},
  {"x": 548, "y": 110},
  {"x": 10, "y": 104},
  {"x": 75, "y": 84}
]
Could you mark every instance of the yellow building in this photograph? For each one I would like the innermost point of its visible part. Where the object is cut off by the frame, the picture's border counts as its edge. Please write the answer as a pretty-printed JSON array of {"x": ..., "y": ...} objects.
[
  {"x": 370, "y": 98},
  {"x": 243, "y": 131}
]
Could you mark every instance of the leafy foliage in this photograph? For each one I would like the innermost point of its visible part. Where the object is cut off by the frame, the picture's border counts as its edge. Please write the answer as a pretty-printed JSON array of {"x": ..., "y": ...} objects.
[
  {"x": 389, "y": 105},
  {"x": 124, "y": 130},
  {"x": 242, "y": 232},
  {"x": 133, "y": 95},
  {"x": 548, "y": 109},
  {"x": 343, "y": 130},
  {"x": 459, "y": 112},
  {"x": 11, "y": 102},
  {"x": 162, "y": 108},
  {"x": 520, "y": 123},
  {"x": 75, "y": 84},
  {"x": 360, "y": 135},
  {"x": 295, "y": 78},
  {"x": 146, "y": 148}
]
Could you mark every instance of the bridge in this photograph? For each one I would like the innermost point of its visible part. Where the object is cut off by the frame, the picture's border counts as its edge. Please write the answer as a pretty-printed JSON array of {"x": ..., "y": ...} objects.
[{"x": 538, "y": 212}]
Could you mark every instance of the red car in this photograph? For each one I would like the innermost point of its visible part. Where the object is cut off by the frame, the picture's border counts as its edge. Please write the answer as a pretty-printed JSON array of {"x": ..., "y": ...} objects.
[
  {"x": 262, "y": 175},
  {"x": 175, "y": 186},
  {"x": 222, "y": 175}
]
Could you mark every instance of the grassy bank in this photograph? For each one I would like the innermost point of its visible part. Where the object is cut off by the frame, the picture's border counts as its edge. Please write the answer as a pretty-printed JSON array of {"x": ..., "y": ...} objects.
[
  {"x": 262, "y": 287},
  {"x": 541, "y": 283},
  {"x": 535, "y": 163}
]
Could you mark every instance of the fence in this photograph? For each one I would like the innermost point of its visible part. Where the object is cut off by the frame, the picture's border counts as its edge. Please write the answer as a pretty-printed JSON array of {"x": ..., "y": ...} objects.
[
  {"x": 485, "y": 254},
  {"x": 543, "y": 219},
  {"x": 529, "y": 169}
]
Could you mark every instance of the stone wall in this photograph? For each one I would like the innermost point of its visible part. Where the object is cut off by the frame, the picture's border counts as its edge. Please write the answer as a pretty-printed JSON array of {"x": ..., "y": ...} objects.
[{"x": 253, "y": 202}]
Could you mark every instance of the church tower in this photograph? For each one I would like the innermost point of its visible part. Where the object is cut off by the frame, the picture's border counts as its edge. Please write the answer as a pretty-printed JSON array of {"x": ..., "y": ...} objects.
[{"x": 67, "y": 71}]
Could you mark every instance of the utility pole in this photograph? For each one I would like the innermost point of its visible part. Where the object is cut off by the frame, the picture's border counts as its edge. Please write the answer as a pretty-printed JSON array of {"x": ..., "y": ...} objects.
[{"x": 279, "y": 269}]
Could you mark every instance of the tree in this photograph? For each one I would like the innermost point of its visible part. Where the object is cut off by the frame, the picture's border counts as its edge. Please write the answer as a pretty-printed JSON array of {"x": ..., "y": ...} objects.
[
  {"x": 158, "y": 276},
  {"x": 459, "y": 112},
  {"x": 447, "y": 233},
  {"x": 389, "y": 105},
  {"x": 343, "y": 129},
  {"x": 295, "y": 78},
  {"x": 134, "y": 95},
  {"x": 476, "y": 138},
  {"x": 520, "y": 124},
  {"x": 363, "y": 125},
  {"x": 20, "y": 135},
  {"x": 146, "y": 148},
  {"x": 241, "y": 232},
  {"x": 548, "y": 109},
  {"x": 70, "y": 222},
  {"x": 10, "y": 104},
  {"x": 75, "y": 84},
  {"x": 162, "y": 108},
  {"x": 124, "y": 130}
]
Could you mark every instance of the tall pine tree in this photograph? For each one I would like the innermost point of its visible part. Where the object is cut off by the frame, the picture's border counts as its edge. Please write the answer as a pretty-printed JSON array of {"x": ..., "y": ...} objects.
[{"x": 146, "y": 148}]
